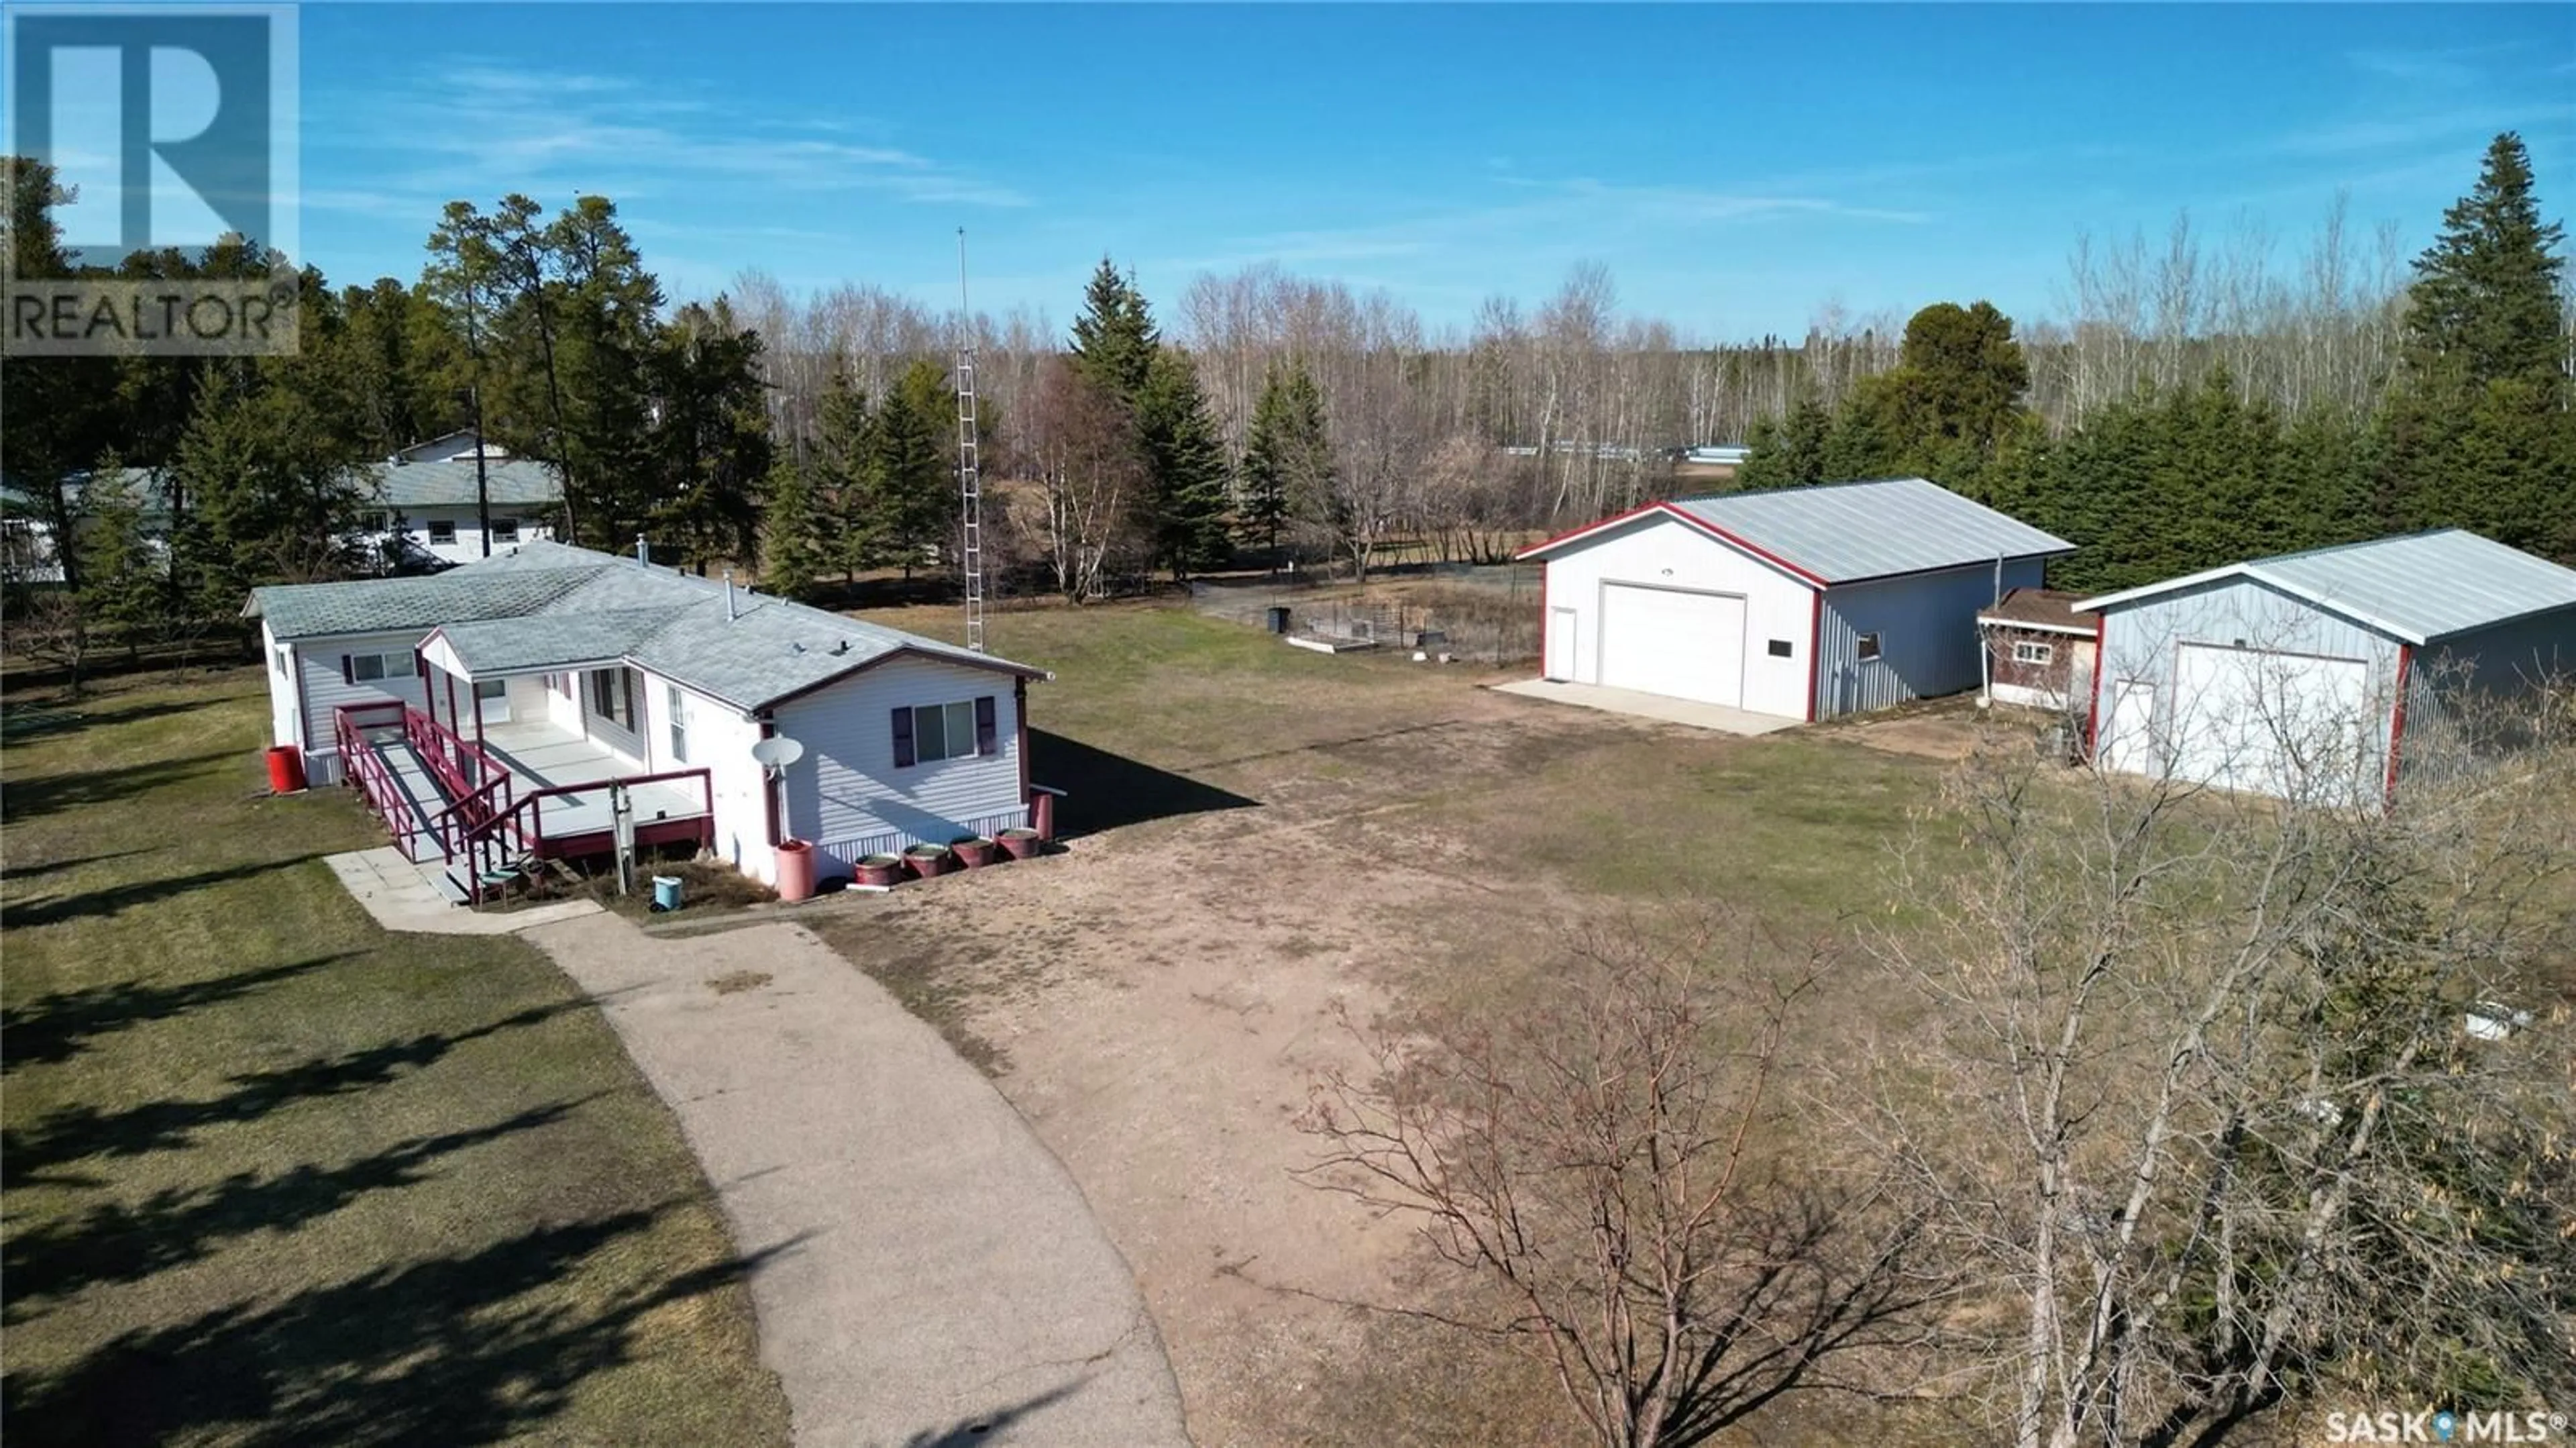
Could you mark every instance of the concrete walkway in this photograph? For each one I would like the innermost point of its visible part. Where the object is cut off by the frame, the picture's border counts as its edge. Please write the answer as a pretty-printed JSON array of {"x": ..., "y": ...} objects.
[
  {"x": 1650, "y": 706},
  {"x": 399, "y": 894},
  {"x": 923, "y": 1269}
]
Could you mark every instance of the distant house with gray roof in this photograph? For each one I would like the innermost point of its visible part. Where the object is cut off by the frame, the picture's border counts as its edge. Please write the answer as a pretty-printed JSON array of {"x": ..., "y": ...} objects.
[
  {"x": 1801, "y": 603},
  {"x": 424, "y": 501},
  {"x": 485, "y": 710}
]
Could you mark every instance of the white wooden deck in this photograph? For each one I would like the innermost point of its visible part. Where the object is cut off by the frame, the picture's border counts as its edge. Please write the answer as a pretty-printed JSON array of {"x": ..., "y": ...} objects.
[{"x": 538, "y": 756}]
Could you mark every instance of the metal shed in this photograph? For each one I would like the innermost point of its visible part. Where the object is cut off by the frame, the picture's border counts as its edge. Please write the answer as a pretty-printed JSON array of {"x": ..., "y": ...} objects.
[
  {"x": 1801, "y": 603},
  {"x": 2301, "y": 675}
]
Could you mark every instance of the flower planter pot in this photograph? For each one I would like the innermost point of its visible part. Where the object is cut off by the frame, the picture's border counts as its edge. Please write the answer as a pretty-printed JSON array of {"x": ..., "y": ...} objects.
[
  {"x": 929, "y": 860},
  {"x": 1018, "y": 844},
  {"x": 879, "y": 870},
  {"x": 975, "y": 852}
]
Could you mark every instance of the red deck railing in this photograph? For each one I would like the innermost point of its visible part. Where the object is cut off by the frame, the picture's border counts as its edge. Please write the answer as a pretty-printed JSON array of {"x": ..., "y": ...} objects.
[{"x": 487, "y": 822}]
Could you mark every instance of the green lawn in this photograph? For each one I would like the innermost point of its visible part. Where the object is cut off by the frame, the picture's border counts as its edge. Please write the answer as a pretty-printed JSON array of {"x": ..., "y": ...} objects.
[{"x": 273, "y": 1175}]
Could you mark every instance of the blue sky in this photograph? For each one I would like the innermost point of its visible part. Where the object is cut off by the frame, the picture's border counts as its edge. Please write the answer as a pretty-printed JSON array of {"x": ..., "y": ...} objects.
[{"x": 1737, "y": 167}]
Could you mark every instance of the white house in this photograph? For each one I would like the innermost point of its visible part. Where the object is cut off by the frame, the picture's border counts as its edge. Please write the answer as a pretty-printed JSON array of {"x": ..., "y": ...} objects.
[
  {"x": 1804, "y": 603},
  {"x": 484, "y": 711},
  {"x": 424, "y": 499},
  {"x": 2304, "y": 675}
]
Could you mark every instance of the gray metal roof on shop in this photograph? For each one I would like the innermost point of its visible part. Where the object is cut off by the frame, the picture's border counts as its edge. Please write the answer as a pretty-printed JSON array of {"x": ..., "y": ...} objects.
[
  {"x": 2418, "y": 587},
  {"x": 550, "y": 604},
  {"x": 1850, "y": 532}
]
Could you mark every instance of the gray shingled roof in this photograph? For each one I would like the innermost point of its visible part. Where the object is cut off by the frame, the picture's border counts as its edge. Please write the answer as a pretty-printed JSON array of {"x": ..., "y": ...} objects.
[
  {"x": 449, "y": 483},
  {"x": 2420, "y": 587},
  {"x": 1848, "y": 532},
  {"x": 549, "y": 605},
  {"x": 388, "y": 605}
]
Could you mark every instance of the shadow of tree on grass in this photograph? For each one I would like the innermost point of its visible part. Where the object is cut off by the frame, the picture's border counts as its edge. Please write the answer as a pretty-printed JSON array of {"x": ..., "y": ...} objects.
[
  {"x": 434, "y": 1351},
  {"x": 58, "y": 1027},
  {"x": 25, "y": 799},
  {"x": 76, "y": 1133},
  {"x": 180, "y": 1225},
  {"x": 115, "y": 899}
]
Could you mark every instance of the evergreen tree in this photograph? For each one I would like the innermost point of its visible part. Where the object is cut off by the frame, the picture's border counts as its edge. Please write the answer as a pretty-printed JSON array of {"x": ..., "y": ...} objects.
[
  {"x": 710, "y": 439},
  {"x": 1185, "y": 508},
  {"x": 1790, "y": 451},
  {"x": 837, "y": 474},
  {"x": 908, "y": 502},
  {"x": 1287, "y": 454},
  {"x": 796, "y": 546},
  {"x": 1114, "y": 340},
  {"x": 121, "y": 573},
  {"x": 2485, "y": 303}
]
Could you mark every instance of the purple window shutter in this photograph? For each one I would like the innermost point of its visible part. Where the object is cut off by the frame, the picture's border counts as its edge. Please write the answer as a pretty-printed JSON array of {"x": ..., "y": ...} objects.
[
  {"x": 984, "y": 724},
  {"x": 348, "y": 670},
  {"x": 903, "y": 739}
]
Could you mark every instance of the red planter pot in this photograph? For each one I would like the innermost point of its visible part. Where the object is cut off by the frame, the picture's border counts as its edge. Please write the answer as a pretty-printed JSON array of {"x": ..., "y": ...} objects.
[
  {"x": 879, "y": 870},
  {"x": 926, "y": 864},
  {"x": 976, "y": 853},
  {"x": 1019, "y": 844}
]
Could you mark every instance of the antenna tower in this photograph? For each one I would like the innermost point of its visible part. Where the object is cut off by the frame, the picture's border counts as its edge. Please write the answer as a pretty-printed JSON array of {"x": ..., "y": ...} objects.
[{"x": 970, "y": 476}]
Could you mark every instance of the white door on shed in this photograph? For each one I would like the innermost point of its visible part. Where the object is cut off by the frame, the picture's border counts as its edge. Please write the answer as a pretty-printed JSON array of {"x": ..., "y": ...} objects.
[
  {"x": 1671, "y": 642},
  {"x": 1560, "y": 643},
  {"x": 2281, "y": 724}
]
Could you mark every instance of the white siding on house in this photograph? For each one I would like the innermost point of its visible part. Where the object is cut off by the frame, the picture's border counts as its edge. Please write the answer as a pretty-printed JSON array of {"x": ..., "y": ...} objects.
[
  {"x": 847, "y": 796},
  {"x": 1927, "y": 632},
  {"x": 2142, "y": 646},
  {"x": 598, "y": 726},
  {"x": 326, "y": 688},
  {"x": 467, "y": 545},
  {"x": 1659, "y": 551},
  {"x": 285, "y": 718}
]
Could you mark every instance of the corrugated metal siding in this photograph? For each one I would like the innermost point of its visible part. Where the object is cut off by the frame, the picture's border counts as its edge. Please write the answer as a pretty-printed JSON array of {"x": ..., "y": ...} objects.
[
  {"x": 2496, "y": 663},
  {"x": 2142, "y": 641},
  {"x": 1927, "y": 628},
  {"x": 318, "y": 660},
  {"x": 846, "y": 794}
]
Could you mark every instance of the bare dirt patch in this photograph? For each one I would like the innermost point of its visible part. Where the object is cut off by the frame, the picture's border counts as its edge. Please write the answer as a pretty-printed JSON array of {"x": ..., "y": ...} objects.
[{"x": 1347, "y": 837}]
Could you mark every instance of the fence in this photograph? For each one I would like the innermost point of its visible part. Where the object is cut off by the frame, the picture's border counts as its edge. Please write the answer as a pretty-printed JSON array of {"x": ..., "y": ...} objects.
[{"x": 1485, "y": 615}]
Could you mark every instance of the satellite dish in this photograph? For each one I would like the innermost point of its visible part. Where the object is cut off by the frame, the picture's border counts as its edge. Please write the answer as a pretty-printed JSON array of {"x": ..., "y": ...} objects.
[{"x": 776, "y": 753}]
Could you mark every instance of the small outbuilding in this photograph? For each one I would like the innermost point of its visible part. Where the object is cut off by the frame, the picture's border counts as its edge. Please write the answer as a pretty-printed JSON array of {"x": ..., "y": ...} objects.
[
  {"x": 2304, "y": 675},
  {"x": 2039, "y": 649},
  {"x": 1802, "y": 603}
]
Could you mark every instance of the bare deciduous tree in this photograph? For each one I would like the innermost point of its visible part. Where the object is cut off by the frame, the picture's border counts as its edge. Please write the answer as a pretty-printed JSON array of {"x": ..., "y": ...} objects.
[
  {"x": 1615, "y": 1162},
  {"x": 2196, "y": 1098},
  {"x": 1090, "y": 470}
]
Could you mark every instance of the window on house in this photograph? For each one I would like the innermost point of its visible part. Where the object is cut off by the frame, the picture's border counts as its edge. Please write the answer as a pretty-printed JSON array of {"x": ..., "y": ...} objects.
[
  {"x": 281, "y": 663},
  {"x": 679, "y": 703},
  {"x": 612, "y": 696},
  {"x": 927, "y": 733},
  {"x": 505, "y": 530},
  {"x": 2026, "y": 652},
  {"x": 370, "y": 668},
  {"x": 1779, "y": 648},
  {"x": 1865, "y": 648},
  {"x": 442, "y": 531},
  {"x": 491, "y": 689}
]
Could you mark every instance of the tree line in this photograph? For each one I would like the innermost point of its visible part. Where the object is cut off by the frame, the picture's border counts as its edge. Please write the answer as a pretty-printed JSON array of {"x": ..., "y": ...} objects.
[
  {"x": 2193, "y": 405},
  {"x": 2473, "y": 427}
]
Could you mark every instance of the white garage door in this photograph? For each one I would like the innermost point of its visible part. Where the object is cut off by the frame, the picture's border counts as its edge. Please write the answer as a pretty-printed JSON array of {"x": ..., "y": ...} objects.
[
  {"x": 1666, "y": 641},
  {"x": 2281, "y": 724}
]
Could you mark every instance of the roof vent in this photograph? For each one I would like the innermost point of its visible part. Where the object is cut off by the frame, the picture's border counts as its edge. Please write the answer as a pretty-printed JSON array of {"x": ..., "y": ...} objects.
[
  {"x": 795, "y": 648},
  {"x": 841, "y": 646},
  {"x": 730, "y": 613}
]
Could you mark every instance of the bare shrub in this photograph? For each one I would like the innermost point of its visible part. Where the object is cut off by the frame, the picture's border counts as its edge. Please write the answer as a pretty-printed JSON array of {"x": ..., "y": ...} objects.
[{"x": 1620, "y": 1162}]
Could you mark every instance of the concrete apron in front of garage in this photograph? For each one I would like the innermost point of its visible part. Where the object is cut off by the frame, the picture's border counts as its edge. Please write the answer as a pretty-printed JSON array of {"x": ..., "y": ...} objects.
[{"x": 1720, "y": 717}]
